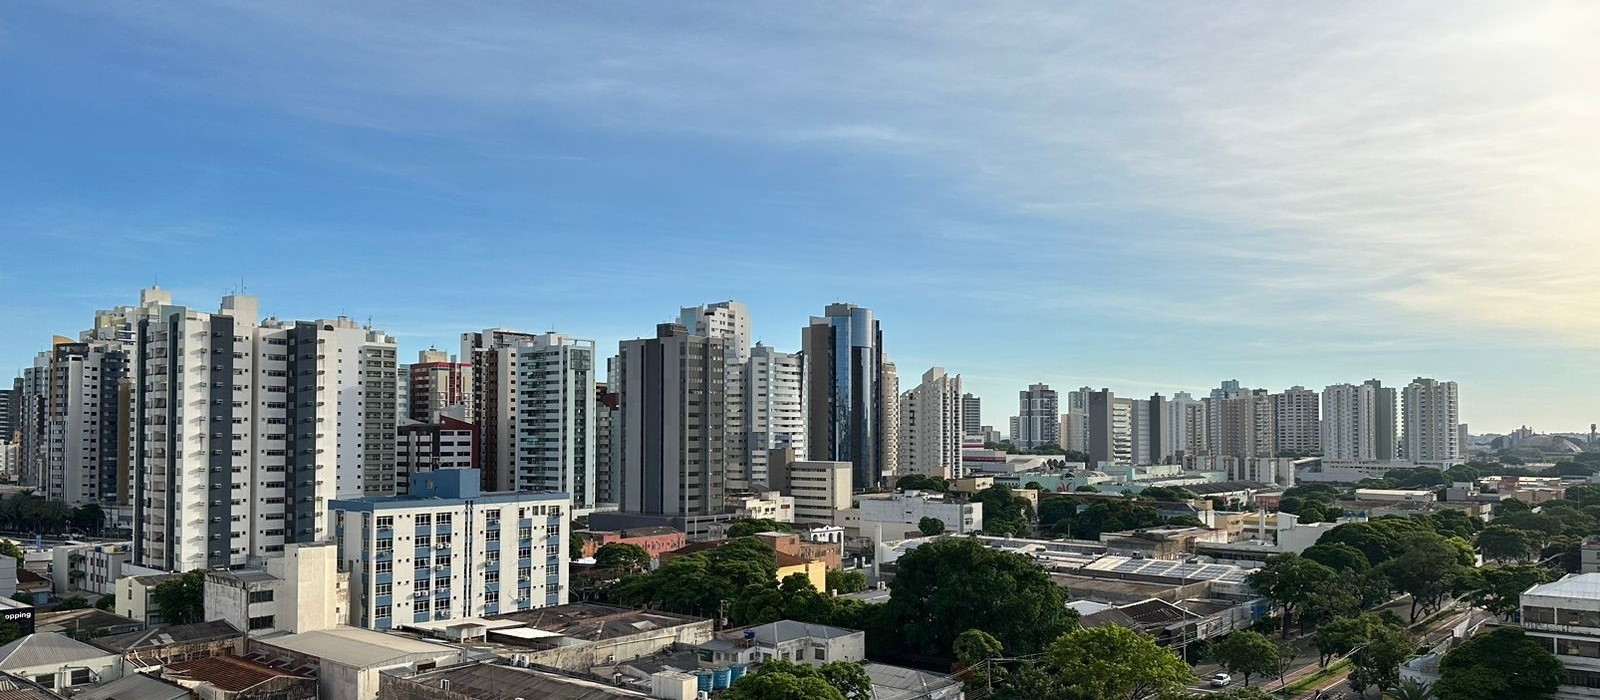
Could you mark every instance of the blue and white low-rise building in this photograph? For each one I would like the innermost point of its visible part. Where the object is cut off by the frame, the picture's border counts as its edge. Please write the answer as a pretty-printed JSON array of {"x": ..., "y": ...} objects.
[{"x": 448, "y": 551}]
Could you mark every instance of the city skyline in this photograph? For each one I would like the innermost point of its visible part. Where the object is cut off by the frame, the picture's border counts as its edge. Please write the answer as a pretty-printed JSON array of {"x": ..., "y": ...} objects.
[{"x": 1079, "y": 210}]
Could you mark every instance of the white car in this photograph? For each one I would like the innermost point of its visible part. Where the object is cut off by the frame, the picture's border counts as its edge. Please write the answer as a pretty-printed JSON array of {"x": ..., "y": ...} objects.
[{"x": 1221, "y": 680}]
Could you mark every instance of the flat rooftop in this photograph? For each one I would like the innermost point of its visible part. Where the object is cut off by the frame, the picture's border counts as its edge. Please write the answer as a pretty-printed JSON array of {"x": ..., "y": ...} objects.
[
  {"x": 355, "y": 646},
  {"x": 499, "y": 681}
]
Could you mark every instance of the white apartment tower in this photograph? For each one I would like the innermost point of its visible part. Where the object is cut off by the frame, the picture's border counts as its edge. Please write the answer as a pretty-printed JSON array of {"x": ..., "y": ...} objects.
[
  {"x": 1431, "y": 416},
  {"x": 448, "y": 551},
  {"x": 1038, "y": 417},
  {"x": 1186, "y": 424},
  {"x": 1349, "y": 416},
  {"x": 247, "y": 429},
  {"x": 774, "y": 411},
  {"x": 889, "y": 388},
  {"x": 1297, "y": 421},
  {"x": 930, "y": 426},
  {"x": 534, "y": 401}
]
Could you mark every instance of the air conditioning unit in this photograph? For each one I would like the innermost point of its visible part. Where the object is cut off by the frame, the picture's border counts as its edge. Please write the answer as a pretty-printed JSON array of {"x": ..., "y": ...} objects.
[{"x": 438, "y": 567}]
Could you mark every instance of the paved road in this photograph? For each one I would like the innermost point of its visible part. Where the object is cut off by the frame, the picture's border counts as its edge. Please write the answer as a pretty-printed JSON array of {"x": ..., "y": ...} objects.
[{"x": 1307, "y": 660}]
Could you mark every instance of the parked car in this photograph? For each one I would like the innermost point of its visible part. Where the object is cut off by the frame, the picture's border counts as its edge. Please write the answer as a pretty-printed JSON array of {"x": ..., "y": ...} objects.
[{"x": 1221, "y": 680}]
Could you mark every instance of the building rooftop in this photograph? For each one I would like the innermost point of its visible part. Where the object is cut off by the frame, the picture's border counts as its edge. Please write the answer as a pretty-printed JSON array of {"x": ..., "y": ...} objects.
[
  {"x": 786, "y": 630},
  {"x": 134, "y": 686},
  {"x": 162, "y": 636},
  {"x": 649, "y": 531},
  {"x": 355, "y": 646},
  {"x": 497, "y": 681},
  {"x": 227, "y": 673},
  {"x": 242, "y": 574},
  {"x": 86, "y": 619},
  {"x": 17, "y": 689},
  {"x": 1224, "y": 487},
  {"x": 154, "y": 579},
  {"x": 901, "y": 683},
  {"x": 45, "y": 649},
  {"x": 1573, "y": 586},
  {"x": 583, "y": 621}
]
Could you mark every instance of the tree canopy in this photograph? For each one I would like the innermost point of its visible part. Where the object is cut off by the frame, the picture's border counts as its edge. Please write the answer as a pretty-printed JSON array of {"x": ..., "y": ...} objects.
[
  {"x": 1504, "y": 664},
  {"x": 930, "y": 526},
  {"x": 1289, "y": 581},
  {"x": 1116, "y": 663},
  {"x": 181, "y": 600},
  {"x": 949, "y": 586},
  {"x": 630, "y": 558},
  {"x": 1247, "y": 654}
]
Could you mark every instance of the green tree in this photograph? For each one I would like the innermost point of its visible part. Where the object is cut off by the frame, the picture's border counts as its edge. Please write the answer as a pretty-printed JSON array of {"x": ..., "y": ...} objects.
[
  {"x": 1056, "y": 508},
  {"x": 1410, "y": 690},
  {"x": 1116, "y": 663},
  {"x": 76, "y": 602},
  {"x": 1340, "y": 635},
  {"x": 1497, "y": 589},
  {"x": 629, "y": 558},
  {"x": 181, "y": 600},
  {"x": 931, "y": 526},
  {"x": 1503, "y": 664},
  {"x": 846, "y": 581},
  {"x": 1167, "y": 494},
  {"x": 756, "y": 526},
  {"x": 921, "y": 482},
  {"x": 1004, "y": 512},
  {"x": 972, "y": 648},
  {"x": 1377, "y": 662},
  {"x": 851, "y": 680},
  {"x": 845, "y": 680},
  {"x": 1503, "y": 543},
  {"x": 1289, "y": 580},
  {"x": 107, "y": 603},
  {"x": 574, "y": 545},
  {"x": 1247, "y": 654},
  {"x": 1338, "y": 556},
  {"x": 949, "y": 586},
  {"x": 1428, "y": 567},
  {"x": 780, "y": 686}
]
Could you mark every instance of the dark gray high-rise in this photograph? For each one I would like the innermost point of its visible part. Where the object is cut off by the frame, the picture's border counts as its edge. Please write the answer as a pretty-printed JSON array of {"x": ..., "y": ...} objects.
[
  {"x": 675, "y": 444},
  {"x": 1101, "y": 440},
  {"x": 845, "y": 417}
]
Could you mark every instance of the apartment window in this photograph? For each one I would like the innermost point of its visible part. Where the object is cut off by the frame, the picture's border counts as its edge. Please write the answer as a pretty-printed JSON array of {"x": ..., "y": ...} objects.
[
  {"x": 524, "y": 533},
  {"x": 491, "y": 576},
  {"x": 819, "y": 654},
  {"x": 444, "y": 518},
  {"x": 524, "y": 573},
  {"x": 80, "y": 676},
  {"x": 261, "y": 623},
  {"x": 385, "y": 521},
  {"x": 385, "y": 544},
  {"x": 424, "y": 541},
  {"x": 444, "y": 542},
  {"x": 47, "y": 680},
  {"x": 424, "y": 605},
  {"x": 425, "y": 520},
  {"x": 261, "y": 596},
  {"x": 384, "y": 589},
  {"x": 385, "y": 566},
  {"x": 381, "y": 611},
  {"x": 524, "y": 552}
]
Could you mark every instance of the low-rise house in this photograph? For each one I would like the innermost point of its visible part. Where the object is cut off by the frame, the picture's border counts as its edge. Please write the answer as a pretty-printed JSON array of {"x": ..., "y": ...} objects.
[
  {"x": 800, "y": 642},
  {"x": 235, "y": 678},
  {"x": 347, "y": 661},
  {"x": 92, "y": 568},
  {"x": 901, "y": 683},
  {"x": 136, "y": 686},
  {"x": 163, "y": 645},
  {"x": 574, "y": 637},
  {"x": 768, "y": 505},
  {"x": 59, "y": 662},
  {"x": 133, "y": 597},
  {"x": 652, "y": 539},
  {"x": 477, "y": 681},
  {"x": 84, "y": 623}
]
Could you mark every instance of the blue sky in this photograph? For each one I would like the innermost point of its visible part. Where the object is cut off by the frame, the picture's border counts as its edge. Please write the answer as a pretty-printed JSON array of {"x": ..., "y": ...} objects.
[{"x": 1145, "y": 196}]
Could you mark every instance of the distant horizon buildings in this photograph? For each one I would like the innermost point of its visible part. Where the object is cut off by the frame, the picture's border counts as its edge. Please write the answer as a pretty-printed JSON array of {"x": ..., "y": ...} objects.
[{"x": 931, "y": 422}]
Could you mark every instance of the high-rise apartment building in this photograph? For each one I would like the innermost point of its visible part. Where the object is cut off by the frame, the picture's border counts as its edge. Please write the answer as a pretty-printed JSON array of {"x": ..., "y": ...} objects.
[
  {"x": 774, "y": 411},
  {"x": 1242, "y": 424},
  {"x": 846, "y": 400},
  {"x": 930, "y": 426},
  {"x": 10, "y": 409},
  {"x": 1229, "y": 389},
  {"x": 1350, "y": 423},
  {"x": 86, "y": 422},
  {"x": 607, "y": 444},
  {"x": 425, "y": 447},
  {"x": 534, "y": 400},
  {"x": 1075, "y": 430},
  {"x": 437, "y": 384},
  {"x": 1186, "y": 424},
  {"x": 1038, "y": 417},
  {"x": 673, "y": 434},
  {"x": 1151, "y": 437},
  {"x": 1432, "y": 417},
  {"x": 971, "y": 416},
  {"x": 1297, "y": 421},
  {"x": 448, "y": 551},
  {"x": 247, "y": 429},
  {"x": 729, "y": 321},
  {"x": 1101, "y": 431}
]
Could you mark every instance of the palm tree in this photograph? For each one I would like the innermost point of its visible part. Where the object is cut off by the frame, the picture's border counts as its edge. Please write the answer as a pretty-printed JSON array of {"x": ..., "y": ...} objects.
[{"x": 1410, "y": 690}]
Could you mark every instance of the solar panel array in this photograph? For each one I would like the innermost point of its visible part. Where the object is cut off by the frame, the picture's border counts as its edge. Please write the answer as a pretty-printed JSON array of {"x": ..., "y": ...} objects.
[{"x": 1179, "y": 570}]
